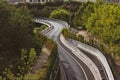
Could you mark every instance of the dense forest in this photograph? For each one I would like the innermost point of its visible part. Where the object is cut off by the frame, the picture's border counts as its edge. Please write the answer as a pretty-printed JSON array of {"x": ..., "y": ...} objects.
[
  {"x": 15, "y": 34},
  {"x": 20, "y": 45}
]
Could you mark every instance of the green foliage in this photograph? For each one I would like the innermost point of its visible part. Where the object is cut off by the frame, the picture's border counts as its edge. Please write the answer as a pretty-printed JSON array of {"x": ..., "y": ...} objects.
[
  {"x": 69, "y": 34},
  {"x": 41, "y": 10},
  {"x": 16, "y": 33},
  {"x": 105, "y": 25},
  {"x": 80, "y": 38},
  {"x": 32, "y": 56},
  {"x": 4, "y": 13},
  {"x": 41, "y": 6},
  {"x": 49, "y": 66},
  {"x": 8, "y": 74},
  {"x": 27, "y": 60},
  {"x": 39, "y": 29},
  {"x": 101, "y": 20},
  {"x": 82, "y": 14},
  {"x": 23, "y": 28},
  {"x": 31, "y": 76},
  {"x": 44, "y": 12},
  {"x": 60, "y": 14},
  {"x": 40, "y": 40}
]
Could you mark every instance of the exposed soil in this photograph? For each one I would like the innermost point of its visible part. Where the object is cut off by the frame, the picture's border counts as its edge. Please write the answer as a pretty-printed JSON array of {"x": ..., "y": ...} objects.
[
  {"x": 115, "y": 62},
  {"x": 87, "y": 36},
  {"x": 41, "y": 60}
]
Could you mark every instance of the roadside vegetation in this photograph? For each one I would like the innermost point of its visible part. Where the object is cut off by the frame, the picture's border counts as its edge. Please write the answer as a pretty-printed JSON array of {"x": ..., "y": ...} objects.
[
  {"x": 41, "y": 10},
  {"x": 68, "y": 34},
  {"x": 101, "y": 20},
  {"x": 16, "y": 34},
  {"x": 61, "y": 14},
  {"x": 40, "y": 28},
  {"x": 20, "y": 45}
]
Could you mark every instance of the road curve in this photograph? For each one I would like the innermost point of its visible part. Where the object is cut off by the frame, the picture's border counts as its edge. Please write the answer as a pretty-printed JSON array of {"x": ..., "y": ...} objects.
[
  {"x": 87, "y": 61},
  {"x": 66, "y": 59},
  {"x": 103, "y": 64},
  {"x": 74, "y": 61}
]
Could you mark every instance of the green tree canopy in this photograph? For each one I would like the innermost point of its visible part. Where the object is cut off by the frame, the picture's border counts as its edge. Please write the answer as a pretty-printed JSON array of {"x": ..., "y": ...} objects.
[
  {"x": 104, "y": 23},
  {"x": 60, "y": 14},
  {"x": 16, "y": 33},
  {"x": 83, "y": 13}
]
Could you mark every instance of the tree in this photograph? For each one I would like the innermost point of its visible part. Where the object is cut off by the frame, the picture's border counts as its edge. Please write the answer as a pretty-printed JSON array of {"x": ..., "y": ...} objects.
[
  {"x": 27, "y": 60},
  {"x": 83, "y": 13},
  {"x": 60, "y": 14},
  {"x": 16, "y": 33},
  {"x": 23, "y": 28},
  {"x": 5, "y": 16},
  {"x": 105, "y": 24}
]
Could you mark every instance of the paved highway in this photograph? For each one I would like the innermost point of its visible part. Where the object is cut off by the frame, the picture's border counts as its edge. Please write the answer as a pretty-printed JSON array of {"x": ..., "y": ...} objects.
[
  {"x": 98, "y": 58},
  {"x": 72, "y": 68},
  {"x": 76, "y": 64}
]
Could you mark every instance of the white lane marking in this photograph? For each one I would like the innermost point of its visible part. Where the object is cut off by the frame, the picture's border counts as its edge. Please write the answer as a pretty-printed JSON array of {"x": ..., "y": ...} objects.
[{"x": 73, "y": 59}]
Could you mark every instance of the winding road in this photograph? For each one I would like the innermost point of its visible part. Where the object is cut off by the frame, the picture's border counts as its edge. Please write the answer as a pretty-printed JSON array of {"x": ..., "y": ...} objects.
[{"x": 76, "y": 64}]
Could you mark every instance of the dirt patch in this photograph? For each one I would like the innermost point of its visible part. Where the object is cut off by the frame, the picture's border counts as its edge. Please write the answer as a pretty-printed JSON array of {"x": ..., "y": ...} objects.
[
  {"x": 117, "y": 62},
  {"x": 85, "y": 34},
  {"x": 41, "y": 60},
  {"x": 87, "y": 37}
]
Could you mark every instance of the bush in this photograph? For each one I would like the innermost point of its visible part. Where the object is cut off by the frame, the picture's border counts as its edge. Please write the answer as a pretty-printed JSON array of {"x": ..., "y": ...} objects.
[
  {"x": 60, "y": 14},
  {"x": 69, "y": 34}
]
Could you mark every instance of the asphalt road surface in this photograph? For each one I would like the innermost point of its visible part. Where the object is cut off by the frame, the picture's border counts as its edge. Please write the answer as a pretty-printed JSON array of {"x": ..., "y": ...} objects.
[{"x": 76, "y": 63}]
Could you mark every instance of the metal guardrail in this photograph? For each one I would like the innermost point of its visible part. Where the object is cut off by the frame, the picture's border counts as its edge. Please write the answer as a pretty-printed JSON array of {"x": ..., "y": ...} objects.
[
  {"x": 99, "y": 56},
  {"x": 93, "y": 51},
  {"x": 91, "y": 65},
  {"x": 71, "y": 47},
  {"x": 45, "y": 31},
  {"x": 56, "y": 20},
  {"x": 49, "y": 28}
]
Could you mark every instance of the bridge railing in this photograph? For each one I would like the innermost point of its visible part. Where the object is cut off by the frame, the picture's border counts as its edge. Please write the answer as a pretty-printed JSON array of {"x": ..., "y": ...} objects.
[
  {"x": 49, "y": 28},
  {"x": 64, "y": 23},
  {"x": 99, "y": 55}
]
